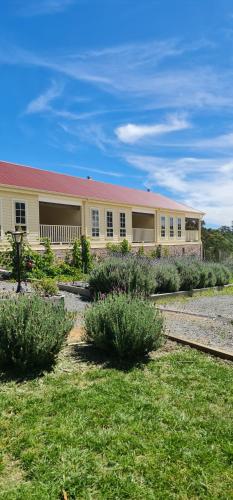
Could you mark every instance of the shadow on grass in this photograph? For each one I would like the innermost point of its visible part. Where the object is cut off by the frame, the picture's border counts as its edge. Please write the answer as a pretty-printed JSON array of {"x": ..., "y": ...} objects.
[
  {"x": 88, "y": 353},
  {"x": 11, "y": 374}
]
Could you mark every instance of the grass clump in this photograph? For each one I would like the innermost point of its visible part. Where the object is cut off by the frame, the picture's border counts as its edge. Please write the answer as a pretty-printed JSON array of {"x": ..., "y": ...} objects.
[
  {"x": 32, "y": 332},
  {"x": 128, "y": 274},
  {"x": 123, "y": 326}
]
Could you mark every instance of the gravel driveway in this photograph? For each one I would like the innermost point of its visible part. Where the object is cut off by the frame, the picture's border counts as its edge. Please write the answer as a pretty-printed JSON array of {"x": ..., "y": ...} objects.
[{"x": 214, "y": 330}]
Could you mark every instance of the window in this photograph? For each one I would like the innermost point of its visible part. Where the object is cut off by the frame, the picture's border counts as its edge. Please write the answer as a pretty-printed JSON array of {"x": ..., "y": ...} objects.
[
  {"x": 20, "y": 215},
  {"x": 109, "y": 217},
  {"x": 179, "y": 227},
  {"x": 122, "y": 225},
  {"x": 95, "y": 223},
  {"x": 163, "y": 226},
  {"x": 171, "y": 227}
]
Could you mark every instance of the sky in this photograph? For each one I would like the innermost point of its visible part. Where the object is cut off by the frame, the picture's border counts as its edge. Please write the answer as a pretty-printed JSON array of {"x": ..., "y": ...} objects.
[{"x": 132, "y": 92}]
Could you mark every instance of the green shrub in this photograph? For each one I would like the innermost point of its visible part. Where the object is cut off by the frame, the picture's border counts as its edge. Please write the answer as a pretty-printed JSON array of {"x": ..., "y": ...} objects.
[
  {"x": 48, "y": 256},
  {"x": 222, "y": 274},
  {"x": 124, "y": 326},
  {"x": 123, "y": 247},
  {"x": 189, "y": 272},
  {"x": 86, "y": 254},
  {"x": 129, "y": 275},
  {"x": 141, "y": 251},
  {"x": 32, "y": 332},
  {"x": 167, "y": 278},
  {"x": 77, "y": 255},
  {"x": 46, "y": 287},
  {"x": 207, "y": 275}
]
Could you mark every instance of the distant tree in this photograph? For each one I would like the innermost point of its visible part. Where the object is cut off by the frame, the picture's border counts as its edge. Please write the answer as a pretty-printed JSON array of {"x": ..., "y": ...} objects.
[{"x": 217, "y": 243}]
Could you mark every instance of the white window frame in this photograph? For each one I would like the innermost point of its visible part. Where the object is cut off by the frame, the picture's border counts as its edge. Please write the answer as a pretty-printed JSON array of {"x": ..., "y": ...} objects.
[
  {"x": 171, "y": 227},
  {"x": 122, "y": 228},
  {"x": 109, "y": 228},
  {"x": 179, "y": 229},
  {"x": 15, "y": 224},
  {"x": 163, "y": 227},
  {"x": 93, "y": 227}
]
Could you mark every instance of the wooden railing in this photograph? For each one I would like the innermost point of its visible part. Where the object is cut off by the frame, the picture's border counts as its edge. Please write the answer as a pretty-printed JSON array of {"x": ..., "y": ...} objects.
[
  {"x": 60, "y": 234},
  {"x": 141, "y": 235},
  {"x": 192, "y": 235}
]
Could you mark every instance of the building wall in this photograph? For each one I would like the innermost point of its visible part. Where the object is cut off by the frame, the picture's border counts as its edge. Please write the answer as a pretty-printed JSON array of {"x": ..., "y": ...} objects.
[
  {"x": 7, "y": 200},
  {"x": 103, "y": 208},
  {"x": 65, "y": 214}
]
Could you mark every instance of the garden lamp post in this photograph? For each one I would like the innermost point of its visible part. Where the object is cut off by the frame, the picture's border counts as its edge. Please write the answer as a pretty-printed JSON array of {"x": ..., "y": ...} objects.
[{"x": 18, "y": 239}]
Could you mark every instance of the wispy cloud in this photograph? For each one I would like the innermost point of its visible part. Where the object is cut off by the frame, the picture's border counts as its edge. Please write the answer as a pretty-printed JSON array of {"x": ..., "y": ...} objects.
[
  {"x": 42, "y": 102},
  {"x": 134, "y": 71},
  {"x": 197, "y": 182},
  {"x": 108, "y": 173},
  {"x": 131, "y": 133},
  {"x": 42, "y": 7}
]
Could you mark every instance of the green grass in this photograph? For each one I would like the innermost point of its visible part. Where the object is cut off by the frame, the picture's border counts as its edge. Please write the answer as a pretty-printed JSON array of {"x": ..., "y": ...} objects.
[{"x": 161, "y": 431}]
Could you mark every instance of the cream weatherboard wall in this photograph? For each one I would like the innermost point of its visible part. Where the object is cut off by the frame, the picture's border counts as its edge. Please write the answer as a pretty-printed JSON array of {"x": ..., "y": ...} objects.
[
  {"x": 7, "y": 205},
  {"x": 8, "y": 196},
  {"x": 103, "y": 209}
]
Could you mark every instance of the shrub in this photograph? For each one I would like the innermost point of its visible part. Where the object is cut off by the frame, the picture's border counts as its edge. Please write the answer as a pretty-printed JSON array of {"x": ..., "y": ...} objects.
[
  {"x": 122, "y": 274},
  {"x": 207, "y": 276},
  {"x": 189, "y": 272},
  {"x": 86, "y": 254},
  {"x": 46, "y": 287},
  {"x": 77, "y": 254},
  {"x": 48, "y": 256},
  {"x": 32, "y": 332},
  {"x": 119, "y": 248},
  {"x": 167, "y": 278},
  {"x": 141, "y": 251},
  {"x": 222, "y": 274},
  {"x": 124, "y": 326}
]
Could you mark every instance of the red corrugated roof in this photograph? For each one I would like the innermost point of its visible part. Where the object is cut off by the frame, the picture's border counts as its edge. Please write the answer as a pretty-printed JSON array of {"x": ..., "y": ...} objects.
[{"x": 21, "y": 176}]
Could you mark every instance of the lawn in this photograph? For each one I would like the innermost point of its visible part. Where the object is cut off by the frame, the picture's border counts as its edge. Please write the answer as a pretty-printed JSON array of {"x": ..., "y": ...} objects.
[{"x": 163, "y": 430}]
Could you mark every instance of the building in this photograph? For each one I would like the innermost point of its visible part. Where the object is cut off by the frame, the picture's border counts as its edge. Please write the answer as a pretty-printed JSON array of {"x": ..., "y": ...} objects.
[{"x": 62, "y": 207}]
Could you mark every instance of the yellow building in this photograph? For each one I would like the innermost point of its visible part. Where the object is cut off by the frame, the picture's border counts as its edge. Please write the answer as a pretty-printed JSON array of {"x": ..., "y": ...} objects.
[{"x": 62, "y": 207}]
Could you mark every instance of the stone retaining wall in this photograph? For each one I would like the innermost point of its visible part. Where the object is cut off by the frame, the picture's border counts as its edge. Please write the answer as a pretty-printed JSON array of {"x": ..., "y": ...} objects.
[{"x": 173, "y": 250}]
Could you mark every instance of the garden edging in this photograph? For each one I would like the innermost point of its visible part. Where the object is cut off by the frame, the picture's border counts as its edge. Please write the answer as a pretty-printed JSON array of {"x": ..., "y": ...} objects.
[{"x": 84, "y": 291}]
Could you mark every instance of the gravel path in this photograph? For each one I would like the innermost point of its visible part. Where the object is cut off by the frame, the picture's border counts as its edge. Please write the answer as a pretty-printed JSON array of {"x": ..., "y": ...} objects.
[
  {"x": 219, "y": 305},
  {"x": 213, "y": 332}
]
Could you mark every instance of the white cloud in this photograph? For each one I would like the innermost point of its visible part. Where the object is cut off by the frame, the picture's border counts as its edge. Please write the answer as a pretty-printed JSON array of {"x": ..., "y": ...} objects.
[
  {"x": 133, "y": 71},
  {"x": 41, "y": 7},
  {"x": 131, "y": 133},
  {"x": 205, "y": 184},
  {"x": 42, "y": 102}
]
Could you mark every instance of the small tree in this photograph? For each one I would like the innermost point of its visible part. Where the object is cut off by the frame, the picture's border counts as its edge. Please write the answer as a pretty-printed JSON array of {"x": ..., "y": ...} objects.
[
  {"x": 86, "y": 254},
  {"x": 49, "y": 256},
  {"x": 77, "y": 254}
]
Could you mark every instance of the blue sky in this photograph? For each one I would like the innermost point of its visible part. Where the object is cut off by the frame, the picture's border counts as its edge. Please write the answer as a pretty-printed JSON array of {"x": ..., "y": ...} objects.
[{"x": 138, "y": 93}]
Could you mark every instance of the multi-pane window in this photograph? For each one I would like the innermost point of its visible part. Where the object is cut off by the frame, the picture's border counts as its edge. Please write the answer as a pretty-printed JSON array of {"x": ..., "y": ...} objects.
[
  {"x": 95, "y": 223},
  {"x": 179, "y": 227},
  {"x": 122, "y": 225},
  {"x": 163, "y": 226},
  {"x": 171, "y": 227},
  {"x": 109, "y": 220},
  {"x": 20, "y": 214}
]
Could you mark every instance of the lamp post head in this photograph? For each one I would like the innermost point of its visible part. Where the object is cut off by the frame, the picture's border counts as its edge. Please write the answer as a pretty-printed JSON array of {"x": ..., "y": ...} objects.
[{"x": 17, "y": 236}]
